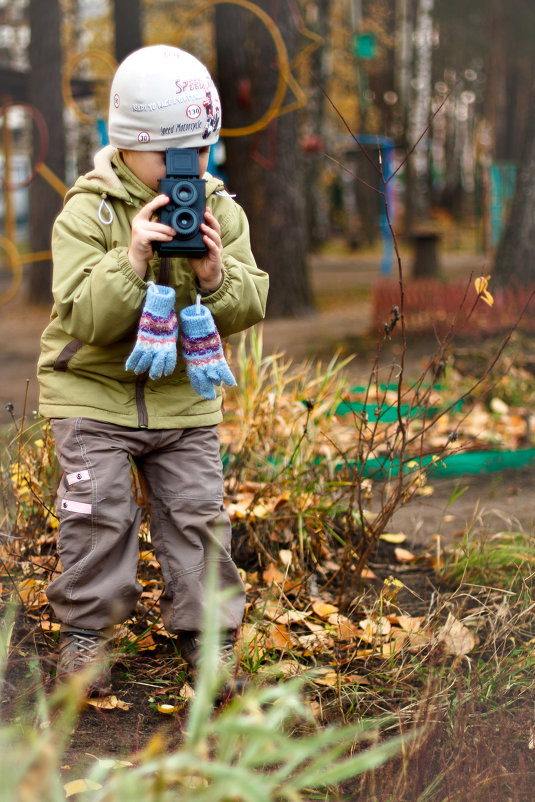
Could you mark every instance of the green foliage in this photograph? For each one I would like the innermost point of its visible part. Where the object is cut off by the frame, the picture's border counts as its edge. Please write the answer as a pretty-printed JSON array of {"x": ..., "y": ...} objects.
[{"x": 504, "y": 560}]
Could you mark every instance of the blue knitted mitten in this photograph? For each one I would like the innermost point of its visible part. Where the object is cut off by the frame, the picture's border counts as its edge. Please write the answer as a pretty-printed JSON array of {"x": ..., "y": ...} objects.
[
  {"x": 203, "y": 351},
  {"x": 157, "y": 334}
]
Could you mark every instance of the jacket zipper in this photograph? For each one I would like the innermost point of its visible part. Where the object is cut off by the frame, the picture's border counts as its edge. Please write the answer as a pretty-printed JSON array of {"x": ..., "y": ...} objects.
[{"x": 142, "y": 415}]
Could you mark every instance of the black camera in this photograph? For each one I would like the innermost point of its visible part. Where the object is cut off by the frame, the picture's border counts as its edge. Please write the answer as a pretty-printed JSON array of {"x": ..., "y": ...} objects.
[{"x": 187, "y": 202}]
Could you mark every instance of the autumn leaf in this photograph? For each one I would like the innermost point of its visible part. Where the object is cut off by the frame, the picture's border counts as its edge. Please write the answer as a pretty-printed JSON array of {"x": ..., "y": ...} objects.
[
  {"x": 79, "y": 786},
  {"x": 108, "y": 703},
  {"x": 457, "y": 638},
  {"x": 481, "y": 285},
  {"x": 393, "y": 537},
  {"x": 278, "y": 637},
  {"x": 323, "y": 609},
  {"x": 345, "y": 630},
  {"x": 390, "y": 589},
  {"x": 404, "y": 555}
]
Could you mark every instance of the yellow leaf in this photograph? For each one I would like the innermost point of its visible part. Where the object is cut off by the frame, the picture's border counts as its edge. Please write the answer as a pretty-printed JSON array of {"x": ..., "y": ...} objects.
[
  {"x": 79, "y": 786},
  {"x": 50, "y": 626},
  {"x": 404, "y": 555},
  {"x": 390, "y": 589},
  {"x": 481, "y": 285},
  {"x": 323, "y": 609},
  {"x": 278, "y": 637},
  {"x": 331, "y": 679},
  {"x": 108, "y": 703},
  {"x": 487, "y": 297},
  {"x": 398, "y": 537},
  {"x": 167, "y": 710}
]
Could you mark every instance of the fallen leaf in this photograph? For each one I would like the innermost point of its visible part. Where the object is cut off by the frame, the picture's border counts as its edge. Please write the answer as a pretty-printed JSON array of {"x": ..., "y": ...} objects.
[
  {"x": 345, "y": 630},
  {"x": 285, "y": 556},
  {"x": 398, "y": 537},
  {"x": 378, "y": 627},
  {"x": 395, "y": 644},
  {"x": 272, "y": 574},
  {"x": 284, "y": 668},
  {"x": 314, "y": 642},
  {"x": 457, "y": 638},
  {"x": 50, "y": 626},
  {"x": 367, "y": 573},
  {"x": 498, "y": 406},
  {"x": 408, "y": 623},
  {"x": 32, "y": 594},
  {"x": 323, "y": 609},
  {"x": 417, "y": 641},
  {"x": 253, "y": 641},
  {"x": 276, "y": 613},
  {"x": 108, "y": 703},
  {"x": 404, "y": 555},
  {"x": 109, "y": 763},
  {"x": 331, "y": 679},
  {"x": 79, "y": 786},
  {"x": 278, "y": 637},
  {"x": 167, "y": 710},
  {"x": 186, "y": 692},
  {"x": 426, "y": 490}
]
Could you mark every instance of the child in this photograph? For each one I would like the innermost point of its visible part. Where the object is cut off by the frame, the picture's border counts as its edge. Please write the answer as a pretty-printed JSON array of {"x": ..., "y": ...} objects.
[{"x": 112, "y": 382}]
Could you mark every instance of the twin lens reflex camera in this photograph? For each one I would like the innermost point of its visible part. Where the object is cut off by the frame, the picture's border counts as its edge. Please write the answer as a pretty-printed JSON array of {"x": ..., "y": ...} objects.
[{"x": 185, "y": 210}]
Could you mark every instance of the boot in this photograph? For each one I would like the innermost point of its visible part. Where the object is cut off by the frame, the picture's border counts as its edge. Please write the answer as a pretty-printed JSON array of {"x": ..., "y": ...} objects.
[
  {"x": 189, "y": 644},
  {"x": 80, "y": 649}
]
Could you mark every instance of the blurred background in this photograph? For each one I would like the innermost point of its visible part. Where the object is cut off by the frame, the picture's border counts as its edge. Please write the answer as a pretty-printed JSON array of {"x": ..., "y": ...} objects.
[{"x": 345, "y": 122}]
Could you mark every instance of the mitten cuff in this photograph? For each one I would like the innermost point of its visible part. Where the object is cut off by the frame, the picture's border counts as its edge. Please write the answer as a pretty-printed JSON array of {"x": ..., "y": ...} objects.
[
  {"x": 160, "y": 300},
  {"x": 197, "y": 321}
]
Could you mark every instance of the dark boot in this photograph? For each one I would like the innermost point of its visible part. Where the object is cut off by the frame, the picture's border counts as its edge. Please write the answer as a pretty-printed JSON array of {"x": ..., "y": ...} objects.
[
  {"x": 189, "y": 644},
  {"x": 80, "y": 649}
]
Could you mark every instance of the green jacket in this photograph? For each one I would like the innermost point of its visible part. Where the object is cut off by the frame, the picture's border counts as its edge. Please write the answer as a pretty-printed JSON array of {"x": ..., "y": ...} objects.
[{"x": 98, "y": 299}]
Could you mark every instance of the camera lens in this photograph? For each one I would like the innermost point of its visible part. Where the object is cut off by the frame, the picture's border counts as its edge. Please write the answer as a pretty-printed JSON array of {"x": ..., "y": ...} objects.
[
  {"x": 185, "y": 222},
  {"x": 184, "y": 193}
]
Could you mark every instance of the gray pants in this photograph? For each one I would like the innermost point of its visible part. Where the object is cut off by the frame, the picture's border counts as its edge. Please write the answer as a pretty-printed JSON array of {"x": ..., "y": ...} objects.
[{"x": 99, "y": 523}]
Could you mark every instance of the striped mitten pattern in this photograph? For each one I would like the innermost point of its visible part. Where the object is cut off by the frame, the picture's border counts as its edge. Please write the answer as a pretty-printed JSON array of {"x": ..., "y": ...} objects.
[
  {"x": 155, "y": 348},
  {"x": 203, "y": 351}
]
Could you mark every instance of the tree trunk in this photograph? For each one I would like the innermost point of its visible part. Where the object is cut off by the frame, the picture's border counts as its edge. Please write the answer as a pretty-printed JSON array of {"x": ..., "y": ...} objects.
[
  {"x": 265, "y": 168},
  {"x": 45, "y": 95},
  {"x": 127, "y": 18},
  {"x": 515, "y": 256}
]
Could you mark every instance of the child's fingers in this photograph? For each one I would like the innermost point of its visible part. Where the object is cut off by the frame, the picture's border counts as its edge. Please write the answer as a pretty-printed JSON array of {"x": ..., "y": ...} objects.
[
  {"x": 148, "y": 210},
  {"x": 211, "y": 221}
]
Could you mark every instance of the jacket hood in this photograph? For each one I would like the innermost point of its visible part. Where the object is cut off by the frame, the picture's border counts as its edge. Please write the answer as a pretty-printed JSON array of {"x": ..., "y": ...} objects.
[{"x": 111, "y": 177}]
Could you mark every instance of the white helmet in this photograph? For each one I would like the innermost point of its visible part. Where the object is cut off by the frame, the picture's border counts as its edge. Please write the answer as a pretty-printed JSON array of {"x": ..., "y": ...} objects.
[{"x": 162, "y": 97}]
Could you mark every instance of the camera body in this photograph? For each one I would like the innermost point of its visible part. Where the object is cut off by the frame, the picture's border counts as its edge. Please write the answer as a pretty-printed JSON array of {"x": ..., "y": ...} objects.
[{"x": 187, "y": 202}]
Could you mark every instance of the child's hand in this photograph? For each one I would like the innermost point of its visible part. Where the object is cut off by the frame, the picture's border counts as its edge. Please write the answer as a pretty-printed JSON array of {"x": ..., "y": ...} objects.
[
  {"x": 144, "y": 232},
  {"x": 209, "y": 269}
]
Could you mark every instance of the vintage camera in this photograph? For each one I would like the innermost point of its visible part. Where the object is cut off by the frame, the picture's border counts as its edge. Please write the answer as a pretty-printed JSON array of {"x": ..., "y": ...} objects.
[{"x": 185, "y": 210}]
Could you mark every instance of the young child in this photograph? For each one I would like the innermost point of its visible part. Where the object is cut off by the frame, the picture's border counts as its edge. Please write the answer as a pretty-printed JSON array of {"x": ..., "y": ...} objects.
[{"x": 116, "y": 387}]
